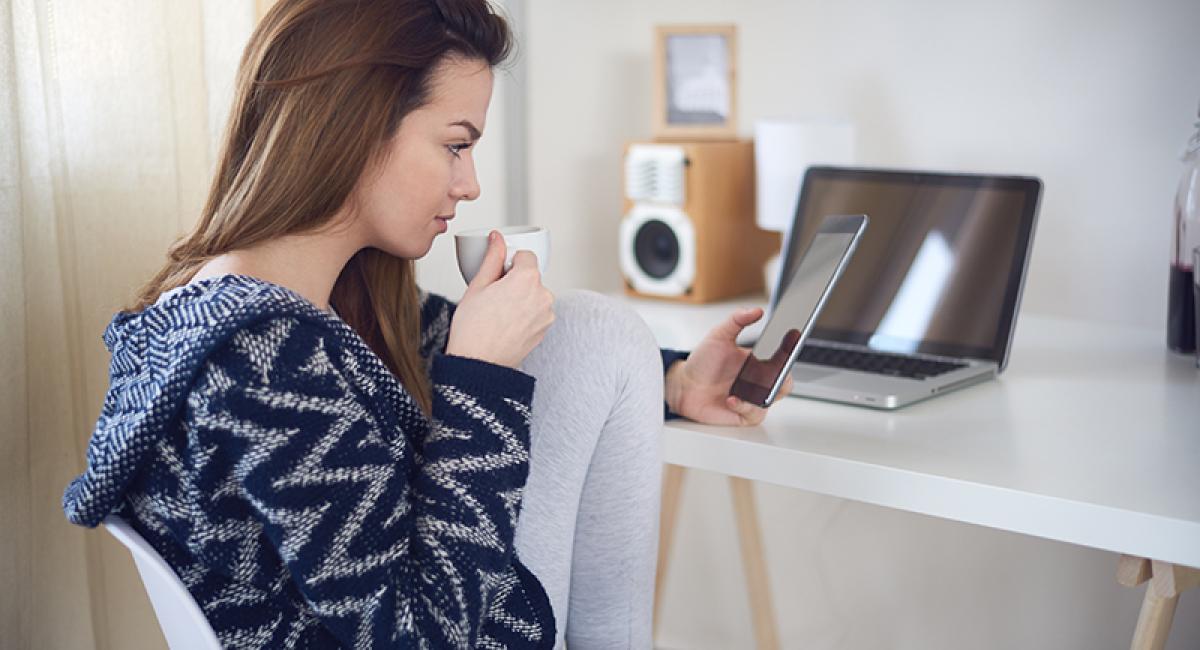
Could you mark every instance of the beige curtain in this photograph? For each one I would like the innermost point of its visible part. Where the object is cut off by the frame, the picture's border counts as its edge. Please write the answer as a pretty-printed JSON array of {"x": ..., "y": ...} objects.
[{"x": 110, "y": 114}]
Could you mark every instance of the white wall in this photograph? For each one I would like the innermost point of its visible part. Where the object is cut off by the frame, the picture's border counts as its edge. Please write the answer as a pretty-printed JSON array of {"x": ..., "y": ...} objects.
[{"x": 1095, "y": 97}]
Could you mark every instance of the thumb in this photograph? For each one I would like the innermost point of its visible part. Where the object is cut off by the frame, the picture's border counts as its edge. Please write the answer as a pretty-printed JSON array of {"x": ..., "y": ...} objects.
[
  {"x": 734, "y": 325},
  {"x": 492, "y": 267}
]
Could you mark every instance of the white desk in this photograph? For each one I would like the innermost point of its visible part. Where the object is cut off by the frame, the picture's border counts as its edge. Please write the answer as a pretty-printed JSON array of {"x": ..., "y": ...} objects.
[{"x": 1091, "y": 436}]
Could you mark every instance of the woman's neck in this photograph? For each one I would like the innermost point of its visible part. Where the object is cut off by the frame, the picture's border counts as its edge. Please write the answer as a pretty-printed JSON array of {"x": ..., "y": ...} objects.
[{"x": 308, "y": 264}]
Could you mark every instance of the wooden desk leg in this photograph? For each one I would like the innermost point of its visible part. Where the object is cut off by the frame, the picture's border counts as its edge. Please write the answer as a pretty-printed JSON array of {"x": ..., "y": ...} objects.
[
  {"x": 1154, "y": 622},
  {"x": 754, "y": 563},
  {"x": 672, "y": 489},
  {"x": 1132, "y": 571},
  {"x": 1167, "y": 581}
]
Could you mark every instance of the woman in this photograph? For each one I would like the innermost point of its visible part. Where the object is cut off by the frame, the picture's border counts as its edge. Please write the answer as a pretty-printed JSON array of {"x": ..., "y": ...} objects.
[{"x": 330, "y": 457}]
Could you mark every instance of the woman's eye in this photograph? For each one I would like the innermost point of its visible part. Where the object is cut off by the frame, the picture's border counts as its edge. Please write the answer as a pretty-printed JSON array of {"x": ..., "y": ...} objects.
[{"x": 457, "y": 149}]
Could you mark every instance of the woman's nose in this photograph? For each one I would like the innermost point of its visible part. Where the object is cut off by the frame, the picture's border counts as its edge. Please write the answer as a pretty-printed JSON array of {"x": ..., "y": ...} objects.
[{"x": 467, "y": 187}]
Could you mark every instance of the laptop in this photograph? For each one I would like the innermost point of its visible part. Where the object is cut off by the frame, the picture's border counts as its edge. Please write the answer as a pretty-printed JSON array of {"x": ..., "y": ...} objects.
[{"x": 929, "y": 302}]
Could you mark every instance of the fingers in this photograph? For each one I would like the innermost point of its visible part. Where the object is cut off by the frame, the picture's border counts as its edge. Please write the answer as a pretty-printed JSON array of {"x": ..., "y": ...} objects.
[
  {"x": 788, "y": 383},
  {"x": 748, "y": 413},
  {"x": 734, "y": 325},
  {"x": 493, "y": 263}
]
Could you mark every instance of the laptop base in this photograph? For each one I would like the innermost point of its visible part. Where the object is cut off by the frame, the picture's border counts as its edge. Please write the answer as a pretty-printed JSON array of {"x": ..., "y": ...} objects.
[{"x": 877, "y": 391}]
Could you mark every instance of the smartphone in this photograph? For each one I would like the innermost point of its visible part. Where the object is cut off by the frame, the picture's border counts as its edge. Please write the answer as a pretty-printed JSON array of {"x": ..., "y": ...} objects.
[{"x": 799, "y": 302}]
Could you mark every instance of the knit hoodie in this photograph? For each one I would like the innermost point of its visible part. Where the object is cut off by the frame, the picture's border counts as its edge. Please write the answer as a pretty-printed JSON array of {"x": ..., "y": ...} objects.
[{"x": 297, "y": 489}]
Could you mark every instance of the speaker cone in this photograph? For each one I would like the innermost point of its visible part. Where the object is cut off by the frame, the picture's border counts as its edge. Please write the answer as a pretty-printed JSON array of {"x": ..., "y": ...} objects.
[{"x": 656, "y": 249}]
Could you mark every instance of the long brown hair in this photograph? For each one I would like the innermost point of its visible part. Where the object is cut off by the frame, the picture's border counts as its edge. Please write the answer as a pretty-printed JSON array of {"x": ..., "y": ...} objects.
[{"x": 321, "y": 87}]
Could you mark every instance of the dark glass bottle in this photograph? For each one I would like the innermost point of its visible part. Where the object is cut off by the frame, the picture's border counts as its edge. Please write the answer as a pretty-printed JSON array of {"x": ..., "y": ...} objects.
[{"x": 1181, "y": 310}]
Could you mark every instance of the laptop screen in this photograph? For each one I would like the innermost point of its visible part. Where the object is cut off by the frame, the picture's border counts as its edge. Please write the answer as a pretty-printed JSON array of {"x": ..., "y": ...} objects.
[{"x": 940, "y": 268}]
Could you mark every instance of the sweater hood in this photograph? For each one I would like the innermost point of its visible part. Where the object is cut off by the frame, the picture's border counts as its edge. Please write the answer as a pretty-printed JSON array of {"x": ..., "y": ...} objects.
[{"x": 157, "y": 354}]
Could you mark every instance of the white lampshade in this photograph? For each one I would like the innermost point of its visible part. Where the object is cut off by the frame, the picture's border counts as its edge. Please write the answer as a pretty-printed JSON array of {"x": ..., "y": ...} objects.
[{"x": 783, "y": 151}]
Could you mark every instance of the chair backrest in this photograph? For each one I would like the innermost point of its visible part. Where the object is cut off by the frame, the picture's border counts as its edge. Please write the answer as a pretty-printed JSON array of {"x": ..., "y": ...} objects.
[{"x": 182, "y": 622}]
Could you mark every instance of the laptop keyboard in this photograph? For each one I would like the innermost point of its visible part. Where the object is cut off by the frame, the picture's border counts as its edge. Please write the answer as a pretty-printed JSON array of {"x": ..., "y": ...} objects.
[{"x": 876, "y": 362}]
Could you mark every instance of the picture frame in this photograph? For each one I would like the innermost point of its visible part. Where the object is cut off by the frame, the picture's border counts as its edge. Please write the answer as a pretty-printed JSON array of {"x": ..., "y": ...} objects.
[{"x": 695, "y": 91}]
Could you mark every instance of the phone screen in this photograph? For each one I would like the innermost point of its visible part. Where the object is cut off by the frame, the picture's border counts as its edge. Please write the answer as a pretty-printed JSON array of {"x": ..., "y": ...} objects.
[{"x": 800, "y": 300}]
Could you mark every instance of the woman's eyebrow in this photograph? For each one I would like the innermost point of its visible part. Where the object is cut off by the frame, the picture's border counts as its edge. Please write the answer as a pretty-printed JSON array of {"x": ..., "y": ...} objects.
[{"x": 472, "y": 130}]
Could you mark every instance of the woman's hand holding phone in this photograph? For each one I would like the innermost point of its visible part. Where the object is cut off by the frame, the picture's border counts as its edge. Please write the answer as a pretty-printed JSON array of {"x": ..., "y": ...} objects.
[
  {"x": 698, "y": 388},
  {"x": 502, "y": 316}
]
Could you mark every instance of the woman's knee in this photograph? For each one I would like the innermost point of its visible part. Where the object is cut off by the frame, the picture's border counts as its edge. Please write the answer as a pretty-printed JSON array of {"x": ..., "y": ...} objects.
[
  {"x": 594, "y": 318},
  {"x": 592, "y": 331}
]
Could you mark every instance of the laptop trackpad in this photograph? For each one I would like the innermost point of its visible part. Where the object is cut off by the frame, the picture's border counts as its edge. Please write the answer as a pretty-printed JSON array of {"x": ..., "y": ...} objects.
[{"x": 803, "y": 373}]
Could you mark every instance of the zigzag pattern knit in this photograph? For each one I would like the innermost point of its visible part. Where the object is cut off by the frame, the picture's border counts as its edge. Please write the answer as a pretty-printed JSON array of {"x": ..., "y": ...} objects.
[{"x": 297, "y": 489}]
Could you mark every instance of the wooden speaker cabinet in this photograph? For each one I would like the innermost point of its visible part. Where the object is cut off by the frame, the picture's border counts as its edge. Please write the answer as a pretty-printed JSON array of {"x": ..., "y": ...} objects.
[{"x": 688, "y": 233}]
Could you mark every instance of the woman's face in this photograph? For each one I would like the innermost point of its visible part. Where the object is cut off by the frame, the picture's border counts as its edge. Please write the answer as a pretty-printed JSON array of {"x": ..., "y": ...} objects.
[{"x": 429, "y": 165}]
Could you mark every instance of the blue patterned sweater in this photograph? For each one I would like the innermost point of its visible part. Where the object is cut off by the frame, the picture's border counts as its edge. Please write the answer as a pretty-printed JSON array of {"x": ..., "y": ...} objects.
[{"x": 296, "y": 487}]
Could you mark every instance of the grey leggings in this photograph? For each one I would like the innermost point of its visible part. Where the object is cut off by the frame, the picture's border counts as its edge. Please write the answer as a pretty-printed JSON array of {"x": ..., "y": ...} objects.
[{"x": 589, "y": 525}]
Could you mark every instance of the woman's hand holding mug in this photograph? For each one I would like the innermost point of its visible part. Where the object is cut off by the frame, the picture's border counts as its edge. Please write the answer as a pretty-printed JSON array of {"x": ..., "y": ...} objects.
[
  {"x": 502, "y": 316},
  {"x": 470, "y": 247}
]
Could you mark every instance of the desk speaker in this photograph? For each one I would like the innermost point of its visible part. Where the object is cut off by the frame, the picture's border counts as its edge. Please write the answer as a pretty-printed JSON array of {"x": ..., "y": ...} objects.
[{"x": 689, "y": 233}]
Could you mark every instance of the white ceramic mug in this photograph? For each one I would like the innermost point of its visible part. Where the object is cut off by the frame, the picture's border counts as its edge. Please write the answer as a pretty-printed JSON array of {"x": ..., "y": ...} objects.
[{"x": 471, "y": 247}]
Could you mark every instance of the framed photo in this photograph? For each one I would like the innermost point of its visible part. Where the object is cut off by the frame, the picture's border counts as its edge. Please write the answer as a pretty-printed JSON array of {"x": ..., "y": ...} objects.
[{"x": 694, "y": 75}]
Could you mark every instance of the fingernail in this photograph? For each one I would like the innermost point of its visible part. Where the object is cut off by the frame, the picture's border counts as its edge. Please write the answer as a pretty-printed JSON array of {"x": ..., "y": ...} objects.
[{"x": 492, "y": 236}]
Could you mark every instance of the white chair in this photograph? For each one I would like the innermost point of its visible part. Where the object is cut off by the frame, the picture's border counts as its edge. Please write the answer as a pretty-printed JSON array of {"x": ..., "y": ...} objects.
[{"x": 179, "y": 616}]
